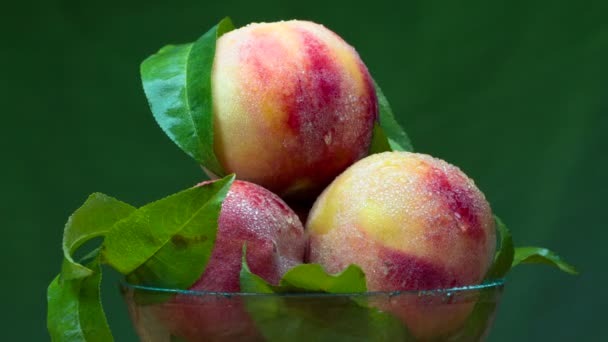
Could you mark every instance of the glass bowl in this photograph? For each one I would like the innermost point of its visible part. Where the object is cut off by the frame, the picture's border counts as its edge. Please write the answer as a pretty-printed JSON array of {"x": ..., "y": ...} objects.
[{"x": 455, "y": 314}]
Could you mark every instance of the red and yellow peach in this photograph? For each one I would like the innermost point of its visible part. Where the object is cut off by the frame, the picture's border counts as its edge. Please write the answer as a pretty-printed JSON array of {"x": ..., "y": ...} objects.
[
  {"x": 293, "y": 105},
  {"x": 411, "y": 222}
]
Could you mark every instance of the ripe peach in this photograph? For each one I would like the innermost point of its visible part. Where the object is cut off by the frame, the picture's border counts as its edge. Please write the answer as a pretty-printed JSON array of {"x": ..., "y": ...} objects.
[
  {"x": 275, "y": 243},
  {"x": 273, "y": 233},
  {"x": 293, "y": 105},
  {"x": 412, "y": 222}
]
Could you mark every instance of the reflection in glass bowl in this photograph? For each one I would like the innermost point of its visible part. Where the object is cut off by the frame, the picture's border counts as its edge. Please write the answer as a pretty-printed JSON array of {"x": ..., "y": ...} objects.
[{"x": 456, "y": 314}]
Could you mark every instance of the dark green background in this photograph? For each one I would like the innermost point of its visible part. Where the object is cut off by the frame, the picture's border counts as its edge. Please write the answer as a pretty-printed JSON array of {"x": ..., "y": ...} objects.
[{"x": 514, "y": 92}]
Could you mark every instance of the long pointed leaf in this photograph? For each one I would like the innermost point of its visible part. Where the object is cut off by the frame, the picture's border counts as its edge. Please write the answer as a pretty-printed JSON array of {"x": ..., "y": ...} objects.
[
  {"x": 75, "y": 312},
  {"x": 380, "y": 142},
  {"x": 168, "y": 243},
  {"x": 504, "y": 255},
  {"x": 177, "y": 83},
  {"x": 539, "y": 255},
  {"x": 93, "y": 219},
  {"x": 397, "y": 138}
]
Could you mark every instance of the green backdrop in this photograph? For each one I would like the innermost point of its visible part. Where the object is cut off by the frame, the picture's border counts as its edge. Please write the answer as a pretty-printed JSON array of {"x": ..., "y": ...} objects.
[{"x": 514, "y": 92}]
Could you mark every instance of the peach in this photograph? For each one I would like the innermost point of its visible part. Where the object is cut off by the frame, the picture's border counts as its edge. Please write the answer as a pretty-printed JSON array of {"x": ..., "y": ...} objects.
[
  {"x": 293, "y": 105},
  {"x": 411, "y": 222},
  {"x": 275, "y": 243}
]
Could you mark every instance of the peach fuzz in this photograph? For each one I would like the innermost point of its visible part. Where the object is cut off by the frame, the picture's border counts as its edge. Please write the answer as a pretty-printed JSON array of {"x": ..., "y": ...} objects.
[
  {"x": 293, "y": 105},
  {"x": 275, "y": 243},
  {"x": 411, "y": 222}
]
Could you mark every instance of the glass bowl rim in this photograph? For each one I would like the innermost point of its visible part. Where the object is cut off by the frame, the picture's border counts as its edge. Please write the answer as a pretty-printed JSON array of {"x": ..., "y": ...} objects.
[{"x": 486, "y": 285}]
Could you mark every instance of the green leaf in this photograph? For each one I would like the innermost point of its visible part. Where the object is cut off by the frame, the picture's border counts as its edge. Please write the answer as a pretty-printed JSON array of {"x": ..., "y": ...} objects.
[
  {"x": 74, "y": 307},
  {"x": 379, "y": 141},
  {"x": 177, "y": 83},
  {"x": 75, "y": 313},
  {"x": 504, "y": 255},
  {"x": 305, "y": 278},
  {"x": 312, "y": 277},
  {"x": 168, "y": 243},
  {"x": 251, "y": 283},
  {"x": 315, "y": 316},
  {"x": 539, "y": 255},
  {"x": 93, "y": 219},
  {"x": 397, "y": 138}
]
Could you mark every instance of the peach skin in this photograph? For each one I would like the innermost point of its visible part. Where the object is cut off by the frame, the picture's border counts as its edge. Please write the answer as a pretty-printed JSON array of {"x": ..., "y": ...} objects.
[
  {"x": 293, "y": 106},
  {"x": 411, "y": 222}
]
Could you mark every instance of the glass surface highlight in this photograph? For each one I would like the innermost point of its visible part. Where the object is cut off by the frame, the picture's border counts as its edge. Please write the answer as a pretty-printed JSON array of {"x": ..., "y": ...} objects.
[{"x": 171, "y": 315}]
